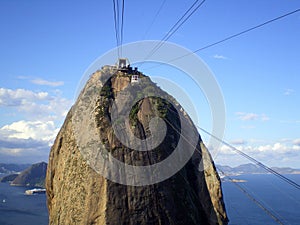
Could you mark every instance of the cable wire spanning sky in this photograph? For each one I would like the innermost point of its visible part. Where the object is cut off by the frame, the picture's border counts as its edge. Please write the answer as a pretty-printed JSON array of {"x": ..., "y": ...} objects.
[{"x": 47, "y": 45}]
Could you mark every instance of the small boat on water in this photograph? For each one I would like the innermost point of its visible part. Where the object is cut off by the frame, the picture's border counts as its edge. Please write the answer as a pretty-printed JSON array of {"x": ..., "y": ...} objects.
[{"x": 35, "y": 191}]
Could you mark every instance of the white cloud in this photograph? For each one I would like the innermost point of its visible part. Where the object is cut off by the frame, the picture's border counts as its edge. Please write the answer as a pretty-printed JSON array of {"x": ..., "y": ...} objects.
[
  {"x": 15, "y": 150},
  {"x": 40, "y": 81},
  {"x": 296, "y": 142},
  {"x": 247, "y": 116},
  {"x": 36, "y": 130},
  {"x": 27, "y": 141},
  {"x": 296, "y": 147},
  {"x": 263, "y": 117},
  {"x": 39, "y": 114},
  {"x": 238, "y": 142},
  {"x": 9, "y": 97},
  {"x": 11, "y": 151},
  {"x": 251, "y": 116},
  {"x": 216, "y": 56},
  {"x": 288, "y": 91},
  {"x": 278, "y": 153},
  {"x": 224, "y": 149},
  {"x": 35, "y": 105}
]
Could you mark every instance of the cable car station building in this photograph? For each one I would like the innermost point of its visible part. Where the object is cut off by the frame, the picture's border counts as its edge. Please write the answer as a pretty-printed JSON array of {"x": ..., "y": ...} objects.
[{"x": 123, "y": 65}]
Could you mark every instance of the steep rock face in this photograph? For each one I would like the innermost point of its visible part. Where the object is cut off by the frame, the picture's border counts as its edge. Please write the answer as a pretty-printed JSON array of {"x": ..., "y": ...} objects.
[{"x": 77, "y": 194}]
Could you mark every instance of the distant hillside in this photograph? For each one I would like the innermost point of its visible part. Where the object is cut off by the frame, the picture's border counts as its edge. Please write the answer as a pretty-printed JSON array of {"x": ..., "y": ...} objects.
[
  {"x": 12, "y": 168},
  {"x": 9, "y": 178},
  {"x": 33, "y": 176},
  {"x": 254, "y": 169}
]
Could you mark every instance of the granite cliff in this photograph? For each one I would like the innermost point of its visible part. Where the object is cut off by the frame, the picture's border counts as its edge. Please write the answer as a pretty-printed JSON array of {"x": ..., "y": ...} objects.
[{"x": 79, "y": 190}]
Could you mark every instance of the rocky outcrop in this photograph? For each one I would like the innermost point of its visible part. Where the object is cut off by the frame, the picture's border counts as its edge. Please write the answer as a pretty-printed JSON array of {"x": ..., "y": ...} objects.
[
  {"x": 34, "y": 176},
  {"x": 82, "y": 189}
]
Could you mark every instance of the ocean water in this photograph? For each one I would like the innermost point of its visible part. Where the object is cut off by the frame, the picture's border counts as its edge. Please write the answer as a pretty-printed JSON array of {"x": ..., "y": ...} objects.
[
  {"x": 277, "y": 196},
  {"x": 19, "y": 209},
  {"x": 281, "y": 199}
]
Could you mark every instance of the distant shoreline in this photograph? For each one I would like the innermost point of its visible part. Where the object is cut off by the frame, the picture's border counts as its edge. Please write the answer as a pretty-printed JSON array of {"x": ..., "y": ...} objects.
[{"x": 250, "y": 168}]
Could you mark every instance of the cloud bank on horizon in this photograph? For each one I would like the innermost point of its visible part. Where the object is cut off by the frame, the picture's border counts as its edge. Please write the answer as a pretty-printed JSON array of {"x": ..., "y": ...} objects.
[
  {"x": 36, "y": 118},
  {"x": 284, "y": 153}
]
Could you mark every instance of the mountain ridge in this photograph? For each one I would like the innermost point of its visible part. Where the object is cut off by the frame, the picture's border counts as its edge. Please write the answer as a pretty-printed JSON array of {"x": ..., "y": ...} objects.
[
  {"x": 251, "y": 168},
  {"x": 7, "y": 168},
  {"x": 34, "y": 176}
]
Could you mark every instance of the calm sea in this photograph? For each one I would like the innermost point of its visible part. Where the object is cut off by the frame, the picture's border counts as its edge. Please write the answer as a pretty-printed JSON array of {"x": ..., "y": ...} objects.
[
  {"x": 19, "y": 209},
  {"x": 276, "y": 196}
]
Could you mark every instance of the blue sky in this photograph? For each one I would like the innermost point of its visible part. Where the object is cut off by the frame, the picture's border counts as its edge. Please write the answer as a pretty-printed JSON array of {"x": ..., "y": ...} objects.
[{"x": 47, "y": 45}]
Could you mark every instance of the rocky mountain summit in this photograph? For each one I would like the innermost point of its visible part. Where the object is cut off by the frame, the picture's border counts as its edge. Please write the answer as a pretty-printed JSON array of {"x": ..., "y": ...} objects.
[{"x": 128, "y": 154}]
